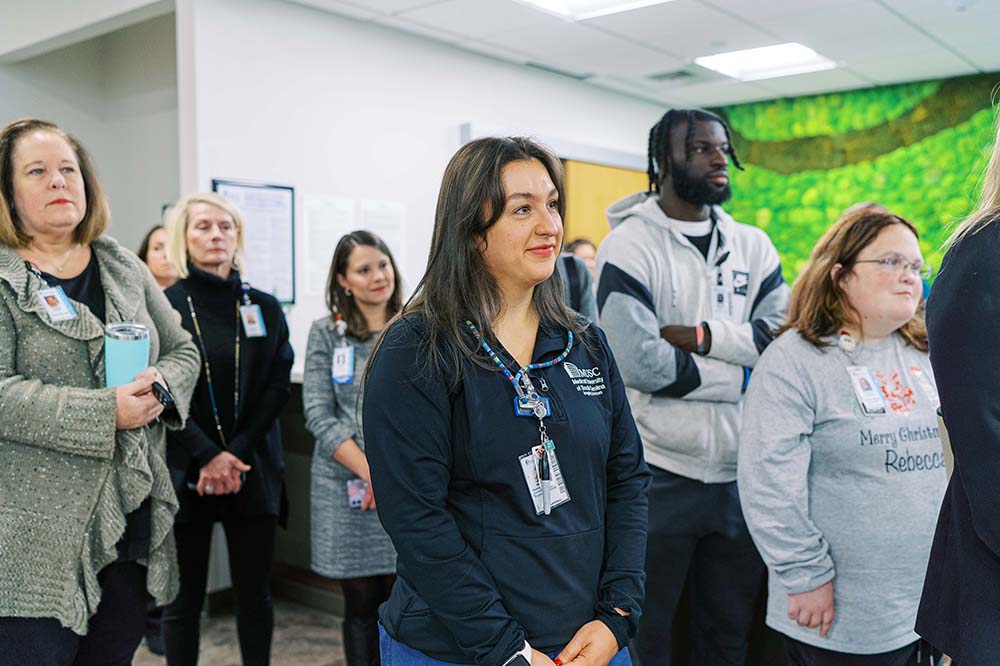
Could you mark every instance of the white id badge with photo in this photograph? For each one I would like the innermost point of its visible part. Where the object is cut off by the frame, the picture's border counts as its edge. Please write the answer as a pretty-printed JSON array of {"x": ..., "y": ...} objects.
[
  {"x": 866, "y": 390},
  {"x": 926, "y": 386},
  {"x": 720, "y": 301},
  {"x": 57, "y": 304},
  {"x": 343, "y": 365},
  {"x": 529, "y": 467},
  {"x": 253, "y": 321}
]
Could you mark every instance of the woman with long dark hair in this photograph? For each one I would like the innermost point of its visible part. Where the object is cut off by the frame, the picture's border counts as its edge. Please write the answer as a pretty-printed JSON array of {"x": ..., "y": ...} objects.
[
  {"x": 348, "y": 541},
  {"x": 153, "y": 252},
  {"x": 506, "y": 465}
]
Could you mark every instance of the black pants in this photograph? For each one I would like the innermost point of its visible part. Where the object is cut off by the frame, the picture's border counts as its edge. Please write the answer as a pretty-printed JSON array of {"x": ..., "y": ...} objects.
[
  {"x": 362, "y": 597},
  {"x": 113, "y": 632},
  {"x": 251, "y": 555},
  {"x": 697, "y": 536},
  {"x": 915, "y": 654}
]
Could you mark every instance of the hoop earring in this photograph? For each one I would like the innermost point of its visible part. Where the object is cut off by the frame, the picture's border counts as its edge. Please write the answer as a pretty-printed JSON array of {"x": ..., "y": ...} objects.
[{"x": 347, "y": 291}]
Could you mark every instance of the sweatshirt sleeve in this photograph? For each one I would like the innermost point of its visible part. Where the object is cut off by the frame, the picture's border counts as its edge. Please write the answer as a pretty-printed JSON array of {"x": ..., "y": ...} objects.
[
  {"x": 649, "y": 363},
  {"x": 406, "y": 417},
  {"x": 67, "y": 419},
  {"x": 772, "y": 474},
  {"x": 743, "y": 342},
  {"x": 963, "y": 321},
  {"x": 623, "y": 579},
  {"x": 327, "y": 418}
]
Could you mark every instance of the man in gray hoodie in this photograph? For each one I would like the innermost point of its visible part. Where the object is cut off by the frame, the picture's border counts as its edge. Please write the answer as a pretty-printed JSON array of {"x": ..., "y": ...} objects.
[{"x": 688, "y": 298}]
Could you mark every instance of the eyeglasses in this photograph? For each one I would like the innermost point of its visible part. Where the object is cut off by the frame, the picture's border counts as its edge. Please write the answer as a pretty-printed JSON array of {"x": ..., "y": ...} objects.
[{"x": 895, "y": 263}]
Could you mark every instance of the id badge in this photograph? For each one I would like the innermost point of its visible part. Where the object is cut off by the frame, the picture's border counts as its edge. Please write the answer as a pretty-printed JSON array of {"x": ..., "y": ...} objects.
[
  {"x": 343, "y": 365},
  {"x": 57, "y": 304},
  {"x": 558, "y": 493},
  {"x": 253, "y": 321},
  {"x": 720, "y": 300},
  {"x": 926, "y": 386},
  {"x": 527, "y": 407},
  {"x": 866, "y": 390}
]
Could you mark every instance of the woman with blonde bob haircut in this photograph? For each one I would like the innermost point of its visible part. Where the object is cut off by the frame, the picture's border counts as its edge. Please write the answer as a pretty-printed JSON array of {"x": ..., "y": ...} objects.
[
  {"x": 960, "y": 607},
  {"x": 227, "y": 464},
  {"x": 86, "y": 507},
  {"x": 179, "y": 217},
  {"x": 840, "y": 417}
]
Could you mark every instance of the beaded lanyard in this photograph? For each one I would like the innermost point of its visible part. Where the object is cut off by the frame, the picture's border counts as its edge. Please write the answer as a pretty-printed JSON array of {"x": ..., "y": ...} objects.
[
  {"x": 526, "y": 393},
  {"x": 528, "y": 397}
]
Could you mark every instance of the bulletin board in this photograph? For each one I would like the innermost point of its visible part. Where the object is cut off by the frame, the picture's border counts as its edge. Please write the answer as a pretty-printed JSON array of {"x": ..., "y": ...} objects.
[{"x": 268, "y": 234}]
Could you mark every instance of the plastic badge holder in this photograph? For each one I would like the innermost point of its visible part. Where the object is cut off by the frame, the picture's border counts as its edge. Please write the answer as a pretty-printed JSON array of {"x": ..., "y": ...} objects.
[{"x": 126, "y": 352}]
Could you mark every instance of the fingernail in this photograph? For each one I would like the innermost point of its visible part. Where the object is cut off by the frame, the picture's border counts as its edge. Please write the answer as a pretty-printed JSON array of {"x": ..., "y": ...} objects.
[{"x": 557, "y": 661}]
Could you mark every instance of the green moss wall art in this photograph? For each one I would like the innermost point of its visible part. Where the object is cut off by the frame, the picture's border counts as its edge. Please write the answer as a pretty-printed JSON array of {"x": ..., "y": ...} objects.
[{"x": 917, "y": 148}]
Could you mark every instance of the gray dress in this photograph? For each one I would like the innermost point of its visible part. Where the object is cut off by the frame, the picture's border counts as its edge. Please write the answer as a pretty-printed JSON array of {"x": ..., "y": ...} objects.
[{"x": 346, "y": 542}]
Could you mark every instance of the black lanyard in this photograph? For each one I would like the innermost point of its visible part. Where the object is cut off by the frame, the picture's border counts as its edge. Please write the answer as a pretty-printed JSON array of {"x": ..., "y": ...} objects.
[{"x": 208, "y": 369}]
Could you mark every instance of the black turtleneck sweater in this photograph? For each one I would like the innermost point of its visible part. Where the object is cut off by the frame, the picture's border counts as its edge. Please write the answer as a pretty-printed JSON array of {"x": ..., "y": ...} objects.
[{"x": 251, "y": 428}]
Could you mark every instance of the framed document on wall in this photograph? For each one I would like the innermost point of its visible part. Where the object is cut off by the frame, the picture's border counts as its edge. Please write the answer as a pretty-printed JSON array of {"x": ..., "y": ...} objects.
[{"x": 268, "y": 234}]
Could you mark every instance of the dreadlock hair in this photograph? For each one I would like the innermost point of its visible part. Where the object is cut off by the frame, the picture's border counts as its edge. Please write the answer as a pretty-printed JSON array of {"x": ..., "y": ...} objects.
[{"x": 659, "y": 141}]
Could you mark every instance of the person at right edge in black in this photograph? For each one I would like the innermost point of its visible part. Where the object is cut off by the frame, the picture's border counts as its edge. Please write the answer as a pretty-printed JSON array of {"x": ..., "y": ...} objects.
[
  {"x": 227, "y": 464},
  {"x": 959, "y": 610}
]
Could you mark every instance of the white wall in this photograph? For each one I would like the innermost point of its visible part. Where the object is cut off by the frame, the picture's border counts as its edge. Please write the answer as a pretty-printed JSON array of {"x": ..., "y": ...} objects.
[
  {"x": 39, "y": 26},
  {"x": 140, "y": 117},
  {"x": 290, "y": 95},
  {"x": 118, "y": 95}
]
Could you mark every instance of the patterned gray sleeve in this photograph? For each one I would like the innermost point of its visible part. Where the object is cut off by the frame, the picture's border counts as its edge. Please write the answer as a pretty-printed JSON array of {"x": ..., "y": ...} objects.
[{"x": 326, "y": 416}]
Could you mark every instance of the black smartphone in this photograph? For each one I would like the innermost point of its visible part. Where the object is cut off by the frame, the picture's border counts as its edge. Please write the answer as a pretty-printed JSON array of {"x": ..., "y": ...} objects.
[{"x": 163, "y": 395}]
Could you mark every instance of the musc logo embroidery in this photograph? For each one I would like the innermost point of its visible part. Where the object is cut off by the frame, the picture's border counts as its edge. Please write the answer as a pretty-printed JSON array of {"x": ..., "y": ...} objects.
[
  {"x": 576, "y": 373},
  {"x": 587, "y": 381}
]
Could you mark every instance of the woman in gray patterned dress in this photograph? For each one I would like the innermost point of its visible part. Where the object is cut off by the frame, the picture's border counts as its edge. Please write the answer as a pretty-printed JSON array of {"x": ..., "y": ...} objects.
[{"x": 348, "y": 542}]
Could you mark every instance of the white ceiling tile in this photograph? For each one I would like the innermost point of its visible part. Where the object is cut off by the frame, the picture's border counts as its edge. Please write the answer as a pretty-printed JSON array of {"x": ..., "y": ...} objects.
[
  {"x": 394, "y": 6},
  {"x": 718, "y": 93},
  {"x": 684, "y": 28},
  {"x": 984, "y": 55},
  {"x": 580, "y": 48},
  {"x": 916, "y": 67},
  {"x": 841, "y": 33},
  {"x": 929, "y": 13},
  {"x": 482, "y": 18},
  {"x": 419, "y": 29},
  {"x": 340, "y": 8},
  {"x": 814, "y": 83},
  {"x": 760, "y": 12}
]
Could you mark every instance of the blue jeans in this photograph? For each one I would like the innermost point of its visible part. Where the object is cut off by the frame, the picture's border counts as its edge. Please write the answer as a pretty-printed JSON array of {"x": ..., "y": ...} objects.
[{"x": 395, "y": 653}]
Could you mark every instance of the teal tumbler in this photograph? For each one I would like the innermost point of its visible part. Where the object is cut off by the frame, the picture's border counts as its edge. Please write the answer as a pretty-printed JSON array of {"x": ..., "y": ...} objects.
[{"x": 126, "y": 352}]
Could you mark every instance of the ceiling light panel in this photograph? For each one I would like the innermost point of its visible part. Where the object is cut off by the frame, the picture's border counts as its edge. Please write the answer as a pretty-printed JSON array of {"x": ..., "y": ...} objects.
[
  {"x": 581, "y": 10},
  {"x": 767, "y": 62}
]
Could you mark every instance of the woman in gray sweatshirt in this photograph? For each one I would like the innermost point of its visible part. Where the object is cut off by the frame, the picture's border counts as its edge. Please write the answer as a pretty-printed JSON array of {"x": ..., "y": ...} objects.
[{"x": 840, "y": 466}]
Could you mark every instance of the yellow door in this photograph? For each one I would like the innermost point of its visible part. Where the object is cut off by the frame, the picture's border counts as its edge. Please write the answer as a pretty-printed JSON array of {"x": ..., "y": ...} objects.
[{"x": 590, "y": 189}]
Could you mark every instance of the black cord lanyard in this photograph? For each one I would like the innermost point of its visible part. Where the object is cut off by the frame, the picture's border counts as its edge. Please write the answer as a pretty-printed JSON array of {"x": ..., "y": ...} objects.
[
  {"x": 37, "y": 273},
  {"x": 208, "y": 369}
]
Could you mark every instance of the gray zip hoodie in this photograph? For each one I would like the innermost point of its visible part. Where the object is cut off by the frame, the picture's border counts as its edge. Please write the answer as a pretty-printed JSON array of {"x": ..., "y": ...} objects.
[{"x": 687, "y": 406}]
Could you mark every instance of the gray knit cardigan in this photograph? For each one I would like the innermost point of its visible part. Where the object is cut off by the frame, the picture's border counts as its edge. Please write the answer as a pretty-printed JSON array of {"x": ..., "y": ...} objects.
[{"x": 68, "y": 478}]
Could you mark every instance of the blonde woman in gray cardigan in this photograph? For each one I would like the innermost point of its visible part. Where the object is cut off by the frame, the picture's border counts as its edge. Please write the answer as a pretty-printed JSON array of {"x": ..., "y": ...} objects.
[
  {"x": 86, "y": 504},
  {"x": 348, "y": 542}
]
